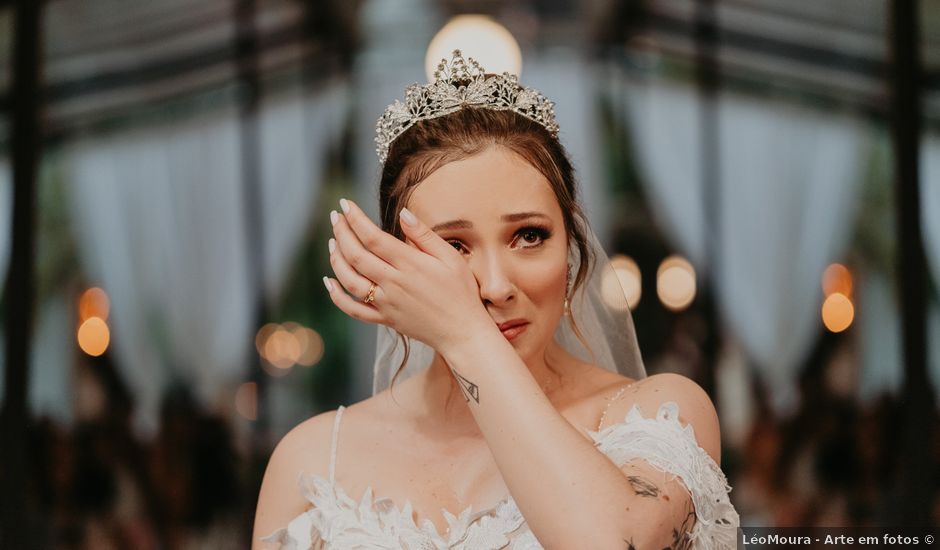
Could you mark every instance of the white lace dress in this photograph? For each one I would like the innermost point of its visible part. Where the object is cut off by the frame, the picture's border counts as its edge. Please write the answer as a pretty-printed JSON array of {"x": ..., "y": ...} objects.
[{"x": 336, "y": 521}]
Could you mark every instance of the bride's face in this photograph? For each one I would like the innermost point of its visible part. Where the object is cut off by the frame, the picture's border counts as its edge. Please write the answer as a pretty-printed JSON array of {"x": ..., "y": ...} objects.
[{"x": 503, "y": 216}]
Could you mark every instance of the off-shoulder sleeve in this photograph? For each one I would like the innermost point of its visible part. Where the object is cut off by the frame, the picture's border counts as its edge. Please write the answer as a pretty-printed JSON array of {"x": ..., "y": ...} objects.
[{"x": 670, "y": 447}]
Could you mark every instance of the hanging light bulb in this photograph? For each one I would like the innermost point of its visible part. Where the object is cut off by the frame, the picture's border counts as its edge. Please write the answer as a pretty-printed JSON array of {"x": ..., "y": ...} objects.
[
  {"x": 837, "y": 278},
  {"x": 94, "y": 336},
  {"x": 93, "y": 302},
  {"x": 479, "y": 37},
  {"x": 837, "y": 312},
  {"x": 675, "y": 283}
]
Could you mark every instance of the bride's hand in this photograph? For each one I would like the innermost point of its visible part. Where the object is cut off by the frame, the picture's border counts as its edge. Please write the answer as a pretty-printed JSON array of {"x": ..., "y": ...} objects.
[{"x": 426, "y": 291}]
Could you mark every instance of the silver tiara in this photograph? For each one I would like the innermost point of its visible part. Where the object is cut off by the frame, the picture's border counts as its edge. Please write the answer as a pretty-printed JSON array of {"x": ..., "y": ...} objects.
[{"x": 456, "y": 85}]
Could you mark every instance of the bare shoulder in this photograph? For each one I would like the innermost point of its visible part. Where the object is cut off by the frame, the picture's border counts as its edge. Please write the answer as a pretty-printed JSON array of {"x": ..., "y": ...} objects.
[
  {"x": 303, "y": 450},
  {"x": 695, "y": 406},
  {"x": 306, "y": 448}
]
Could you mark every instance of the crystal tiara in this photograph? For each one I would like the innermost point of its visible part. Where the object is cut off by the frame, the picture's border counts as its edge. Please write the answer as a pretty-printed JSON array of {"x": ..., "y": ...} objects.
[{"x": 456, "y": 85}]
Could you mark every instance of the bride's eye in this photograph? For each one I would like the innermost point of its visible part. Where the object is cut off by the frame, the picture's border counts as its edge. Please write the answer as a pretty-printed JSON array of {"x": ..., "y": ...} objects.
[
  {"x": 458, "y": 246},
  {"x": 531, "y": 237}
]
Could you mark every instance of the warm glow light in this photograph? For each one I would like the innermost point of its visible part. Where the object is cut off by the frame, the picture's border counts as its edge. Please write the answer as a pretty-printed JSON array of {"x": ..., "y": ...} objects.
[
  {"x": 837, "y": 312},
  {"x": 262, "y": 336},
  {"x": 837, "y": 278},
  {"x": 94, "y": 336},
  {"x": 246, "y": 400},
  {"x": 286, "y": 345},
  {"x": 675, "y": 283},
  {"x": 311, "y": 346},
  {"x": 93, "y": 302},
  {"x": 622, "y": 288},
  {"x": 479, "y": 37},
  {"x": 282, "y": 348}
]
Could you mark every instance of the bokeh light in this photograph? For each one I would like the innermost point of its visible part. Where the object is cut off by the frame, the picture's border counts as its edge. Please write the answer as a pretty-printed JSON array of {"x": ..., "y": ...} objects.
[
  {"x": 838, "y": 312},
  {"x": 282, "y": 349},
  {"x": 479, "y": 37},
  {"x": 621, "y": 287},
  {"x": 311, "y": 345},
  {"x": 837, "y": 278},
  {"x": 93, "y": 302},
  {"x": 262, "y": 336},
  {"x": 94, "y": 336},
  {"x": 284, "y": 345},
  {"x": 675, "y": 283}
]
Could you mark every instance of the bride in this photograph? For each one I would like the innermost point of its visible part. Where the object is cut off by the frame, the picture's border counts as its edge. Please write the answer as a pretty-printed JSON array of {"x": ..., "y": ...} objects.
[{"x": 510, "y": 406}]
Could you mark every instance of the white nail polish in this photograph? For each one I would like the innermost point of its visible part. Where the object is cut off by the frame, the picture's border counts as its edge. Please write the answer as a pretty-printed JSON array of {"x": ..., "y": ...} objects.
[
  {"x": 328, "y": 284},
  {"x": 344, "y": 204},
  {"x": 333, "y": 217},
  {"x": 332, "y": 245},
  {"x": 408, "y": 217}
]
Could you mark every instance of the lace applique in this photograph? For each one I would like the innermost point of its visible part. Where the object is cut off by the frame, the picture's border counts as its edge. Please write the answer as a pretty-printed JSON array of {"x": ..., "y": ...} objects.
[
  {"x": 670, "y": 447},
  {"x": 378, "y": 523},
  {"x": 338, "y": 521}
]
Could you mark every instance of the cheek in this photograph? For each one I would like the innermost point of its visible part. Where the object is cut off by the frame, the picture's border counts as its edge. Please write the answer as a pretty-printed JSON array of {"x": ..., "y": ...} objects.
[{"x": 545, "y": 283}]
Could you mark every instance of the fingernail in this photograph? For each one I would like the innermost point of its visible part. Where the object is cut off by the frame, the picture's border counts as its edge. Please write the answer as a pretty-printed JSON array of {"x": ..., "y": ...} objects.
[
  {"x": 333, "y": 217},
  {"x": 344, "y": 204},
  {"x": 332, "y": 245},
  {"x": 328, "y": 285},
  {"x": 408, "y": 217}
]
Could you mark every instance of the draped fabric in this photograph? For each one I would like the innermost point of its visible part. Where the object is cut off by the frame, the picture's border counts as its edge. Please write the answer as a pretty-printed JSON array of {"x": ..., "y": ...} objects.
[
  {"x": 881, "y": 354},
  {"x": 930, "y": 201},
  {"x": 572, "y": 85},
  {"x": 159, "y": 222},
  {"x": 787, "y": 193},
  {"x": 53, "y": 334}
]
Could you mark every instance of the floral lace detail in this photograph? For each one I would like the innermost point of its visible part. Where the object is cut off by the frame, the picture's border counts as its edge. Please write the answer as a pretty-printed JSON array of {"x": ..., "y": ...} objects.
[
  {"x": 338, "y": 521},
  {"x": 668, "y": 446},
  {"x": 378, "y": 523}
]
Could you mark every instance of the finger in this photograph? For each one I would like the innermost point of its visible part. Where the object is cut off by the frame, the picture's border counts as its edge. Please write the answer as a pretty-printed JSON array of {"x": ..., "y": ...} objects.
[
  {"x": 349, "y": 306},
  {"x": 356, "y": 255},
  {"x": 373, "y": 239},
  {"x": 349, "y": 278},
  {"x": 424, "y": 238}
]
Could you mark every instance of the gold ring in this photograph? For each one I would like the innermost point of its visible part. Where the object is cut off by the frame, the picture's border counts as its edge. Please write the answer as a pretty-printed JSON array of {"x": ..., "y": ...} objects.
[{"x": 371, "y": 297}]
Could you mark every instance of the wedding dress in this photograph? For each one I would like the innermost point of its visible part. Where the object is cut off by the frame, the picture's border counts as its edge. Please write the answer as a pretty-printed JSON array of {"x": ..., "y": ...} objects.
[{"x": 337, "y": 521}]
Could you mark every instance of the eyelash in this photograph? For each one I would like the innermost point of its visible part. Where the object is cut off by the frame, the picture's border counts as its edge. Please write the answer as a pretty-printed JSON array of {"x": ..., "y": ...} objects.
[{"x": 543, "y": 234}]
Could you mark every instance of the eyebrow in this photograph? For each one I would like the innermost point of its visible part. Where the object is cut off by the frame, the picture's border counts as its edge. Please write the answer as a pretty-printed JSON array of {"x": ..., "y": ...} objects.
[{"x": 464, "y": 224}]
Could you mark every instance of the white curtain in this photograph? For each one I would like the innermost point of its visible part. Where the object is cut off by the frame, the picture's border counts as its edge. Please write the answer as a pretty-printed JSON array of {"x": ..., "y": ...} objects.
[
  {"x": 930, "y": 202},
  {"x": 571, "y": 83},
  {"x": 53, "y": 337},
  {"x": 159, "y": 223},
  {"x": 787, "y": 196},
  {"x": 878, "y": 319},
  {"x": 879, "y": 338}
]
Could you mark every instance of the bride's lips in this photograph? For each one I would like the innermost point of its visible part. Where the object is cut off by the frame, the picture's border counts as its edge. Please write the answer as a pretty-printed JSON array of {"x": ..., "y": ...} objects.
[{"x": 513, "y": 328}]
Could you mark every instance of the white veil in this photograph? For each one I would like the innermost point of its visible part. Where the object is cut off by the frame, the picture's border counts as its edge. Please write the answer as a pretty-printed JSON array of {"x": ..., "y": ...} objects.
[{"x": 599, "y": 309}]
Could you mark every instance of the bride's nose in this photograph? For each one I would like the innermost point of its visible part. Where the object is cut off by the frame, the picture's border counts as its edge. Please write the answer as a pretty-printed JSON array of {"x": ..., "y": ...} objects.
[{"x": 496, "y": 285}]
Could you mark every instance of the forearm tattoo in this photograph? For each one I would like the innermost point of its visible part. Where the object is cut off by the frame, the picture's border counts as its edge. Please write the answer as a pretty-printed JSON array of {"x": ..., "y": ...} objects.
[{"x": 468, "y": 388}]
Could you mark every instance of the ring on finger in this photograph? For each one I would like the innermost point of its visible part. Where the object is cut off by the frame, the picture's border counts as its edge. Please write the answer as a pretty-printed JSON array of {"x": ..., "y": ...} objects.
[{"x": 371, "y": 296}]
